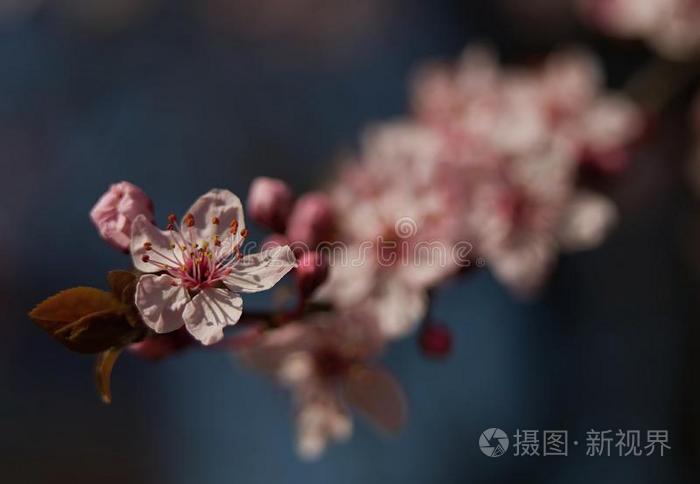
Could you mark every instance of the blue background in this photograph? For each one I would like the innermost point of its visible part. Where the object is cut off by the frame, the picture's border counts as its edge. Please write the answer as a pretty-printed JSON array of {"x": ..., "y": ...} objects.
[{"x": 177, "y": 110}]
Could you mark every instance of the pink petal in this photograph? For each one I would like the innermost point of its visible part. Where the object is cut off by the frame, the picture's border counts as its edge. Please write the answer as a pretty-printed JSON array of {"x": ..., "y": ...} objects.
[
  {"x": 210, "y": 311},
  {"x": 143, "y": 231},
  {"x": 160, "y": 302},
  {"x": 216, "y": 203},
  {"x": 377, "y": 396},
  {"x": 259, "y": 272}
]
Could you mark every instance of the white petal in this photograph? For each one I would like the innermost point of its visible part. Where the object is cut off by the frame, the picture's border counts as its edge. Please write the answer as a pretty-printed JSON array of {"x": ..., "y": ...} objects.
[
  {"x": 259, "y": 272},
  {"x": 523, "y": 268},
  {"x": 160, "y": 302},
  {"x": 143, "y": 231},
  {"x": 321, "y": 418},
  {"x": 210, "y": 312},
  {"x": 310, "y": 444},
  {"x": 216, "y": 203},
  {"x": 399, "y": 308},
  {"x": 295, "y": 368},
  {"x": 432, "y": 262},
  {"x": 352, "y": 276},
  {"x": 586, "y": 222}
]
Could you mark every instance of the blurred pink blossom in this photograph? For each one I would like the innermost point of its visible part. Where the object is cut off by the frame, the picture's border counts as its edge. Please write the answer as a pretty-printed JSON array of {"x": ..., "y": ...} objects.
[
  {"x": 670, "y": 26},
  {"x": 400, "y": 223},
  {"x": 311, "y": 272},
  {"x": 491, "y": 157},
  {"x": 270, "y": 202},
  {"x": 328, "y": 363},
  {"x": 311, "y": 220},
  {"x": 517, "y": 138},
  {"x": 116, "y": 210}
]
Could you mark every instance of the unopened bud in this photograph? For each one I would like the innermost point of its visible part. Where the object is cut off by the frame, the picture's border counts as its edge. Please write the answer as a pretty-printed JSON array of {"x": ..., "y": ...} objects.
[
  {"x": 269, "y": 202},
  {"x": 435, "y": 340},
  {"x": 311, "y": 271},
  {"x": 116, "y": 209},
  {"x": 311, "y": 220}
]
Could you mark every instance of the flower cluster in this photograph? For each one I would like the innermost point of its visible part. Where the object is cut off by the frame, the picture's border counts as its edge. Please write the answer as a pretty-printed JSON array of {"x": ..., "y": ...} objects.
[
  {"x": 670, "y": 26},
  {"x": 492, "y": 157},
  {"x": 485, "y": 171}
]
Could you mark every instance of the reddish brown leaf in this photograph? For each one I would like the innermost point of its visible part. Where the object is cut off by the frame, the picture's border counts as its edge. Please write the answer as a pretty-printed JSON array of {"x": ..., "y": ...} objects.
[
  {"x": 70, "y": 305},
  {"x": 103, "y": 372},
  {"x": 86, "y": 320},
  {"x": 119, "y": 281}
]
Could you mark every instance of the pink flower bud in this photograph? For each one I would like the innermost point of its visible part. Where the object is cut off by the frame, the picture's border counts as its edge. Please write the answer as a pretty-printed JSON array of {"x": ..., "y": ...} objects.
[
  {"x": 436, "y": 340},
  {"x": 116, "y": 209},
  {"x": 312, "y": 271},
  {"x": 269, "y": 202},
  {"x": 311, "y": 220}
]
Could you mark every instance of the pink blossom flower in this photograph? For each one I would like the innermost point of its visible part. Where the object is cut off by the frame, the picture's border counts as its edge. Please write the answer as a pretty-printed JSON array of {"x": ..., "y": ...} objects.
[
  {"x": 270, "y": 202},
  {"x": 513, "y": 139},
  {"x": 196, "y": 271},
  {"x": 116, "y": 210},
  {"x": 327, "y": 361},
  {"x": 399, "y": 230},
  {"x": 522, "y": 221}
]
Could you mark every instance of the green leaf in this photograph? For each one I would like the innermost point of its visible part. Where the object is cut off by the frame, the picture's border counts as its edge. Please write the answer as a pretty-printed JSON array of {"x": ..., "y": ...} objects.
[{"x": 103, "y": 372}]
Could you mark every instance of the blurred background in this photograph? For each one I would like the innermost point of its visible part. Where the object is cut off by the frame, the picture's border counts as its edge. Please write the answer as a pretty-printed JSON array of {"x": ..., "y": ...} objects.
[{"x": 180, "y": 96}]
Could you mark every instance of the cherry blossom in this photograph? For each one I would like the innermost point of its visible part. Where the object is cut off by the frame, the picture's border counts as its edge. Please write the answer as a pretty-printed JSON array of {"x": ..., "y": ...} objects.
[
  {"x": 328, "y": 362},
  {"x": 516, "y": 139},
  {"x": 196, "y": 270},
  {"x": 399, "y": 230}
]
